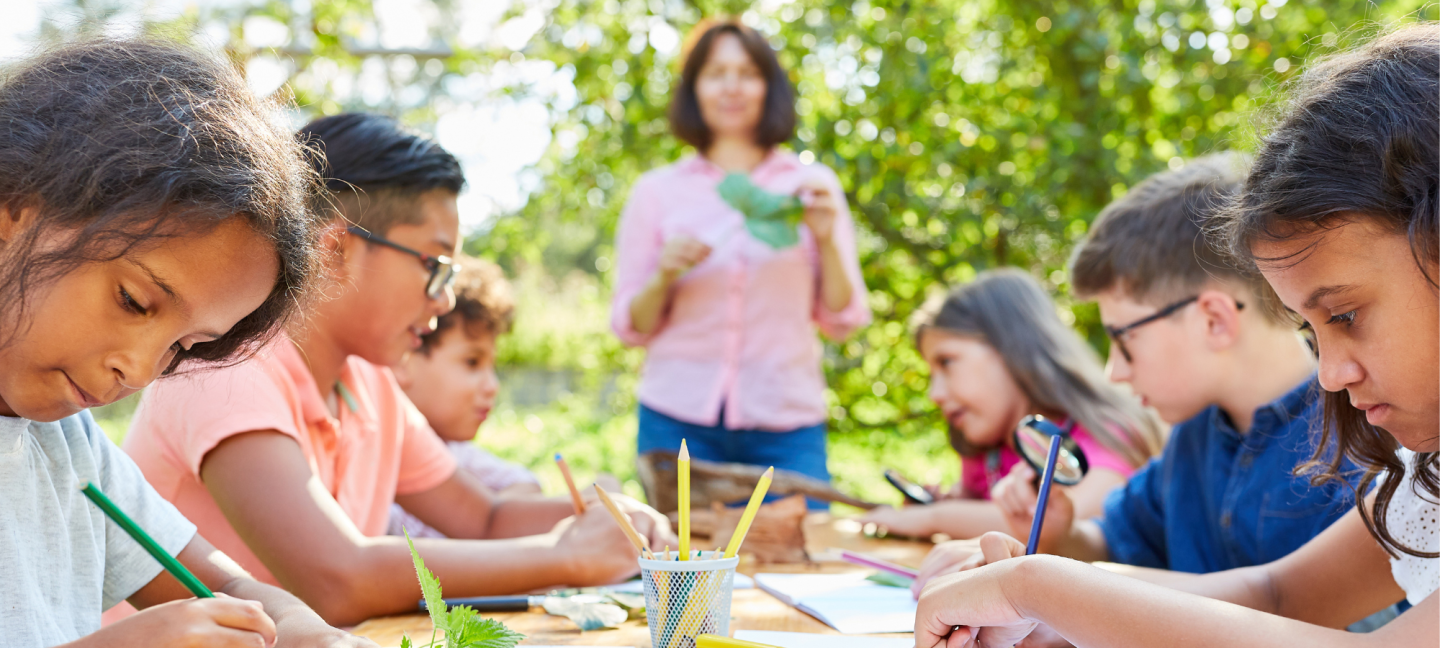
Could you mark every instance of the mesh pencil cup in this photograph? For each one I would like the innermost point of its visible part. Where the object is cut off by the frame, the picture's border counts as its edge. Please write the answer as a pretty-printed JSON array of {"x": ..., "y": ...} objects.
[{"x": 684, "y": 599}]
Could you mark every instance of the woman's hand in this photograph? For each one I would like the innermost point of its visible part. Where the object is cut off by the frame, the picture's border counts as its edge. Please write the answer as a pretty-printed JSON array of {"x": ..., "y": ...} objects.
[
  {"x": 974, "y": 607},
  {"x": 679, "y": 255},
  {"x": 820, "y": 209}
]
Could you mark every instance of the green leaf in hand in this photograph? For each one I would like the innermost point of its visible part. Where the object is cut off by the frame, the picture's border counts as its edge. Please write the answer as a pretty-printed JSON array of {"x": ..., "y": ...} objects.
[{"x": 770, "y": 218}]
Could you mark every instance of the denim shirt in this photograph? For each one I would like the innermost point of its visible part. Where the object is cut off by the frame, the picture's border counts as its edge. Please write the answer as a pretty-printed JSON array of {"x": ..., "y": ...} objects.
[{"x": 1217, "y": 499}]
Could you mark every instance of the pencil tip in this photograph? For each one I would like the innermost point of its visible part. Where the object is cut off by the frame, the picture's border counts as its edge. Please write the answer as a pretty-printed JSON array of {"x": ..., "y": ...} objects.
[
  {"x": 684, "y": 451},
  {"x": 558, "y": 457},
  {"x": 770, "y": 472}
]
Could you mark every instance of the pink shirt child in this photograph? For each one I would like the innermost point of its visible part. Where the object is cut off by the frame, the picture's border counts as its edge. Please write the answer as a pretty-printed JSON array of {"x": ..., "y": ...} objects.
[
  {"x": 380, "y": 445},
  {"x": 741, "y": 326},
  {"x": 977, "y": 474}
]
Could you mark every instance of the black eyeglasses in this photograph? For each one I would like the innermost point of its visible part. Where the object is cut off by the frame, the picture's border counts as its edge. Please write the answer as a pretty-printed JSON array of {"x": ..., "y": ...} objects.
[
  {"x": 442, "y": 268},
  {"x": 1118, "y": 334}
]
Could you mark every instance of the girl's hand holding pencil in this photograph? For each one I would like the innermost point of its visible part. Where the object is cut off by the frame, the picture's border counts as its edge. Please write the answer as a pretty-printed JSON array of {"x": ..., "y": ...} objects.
[{"x": 219, "y": 622}]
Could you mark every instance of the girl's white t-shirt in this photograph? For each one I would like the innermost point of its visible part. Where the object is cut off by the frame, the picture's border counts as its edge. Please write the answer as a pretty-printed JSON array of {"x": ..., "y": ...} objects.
[
  {"x": 62, "y": 562},
  {"x": 1414, "y": 518}
]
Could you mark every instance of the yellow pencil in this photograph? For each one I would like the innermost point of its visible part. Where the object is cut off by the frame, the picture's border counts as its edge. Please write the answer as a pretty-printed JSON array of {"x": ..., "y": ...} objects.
[
  {"x": 750, "y": 510},
  {"x": 570, "y": 482},
  {"x": 684, "y": 470},
  {"x": 623, "y": 521}
]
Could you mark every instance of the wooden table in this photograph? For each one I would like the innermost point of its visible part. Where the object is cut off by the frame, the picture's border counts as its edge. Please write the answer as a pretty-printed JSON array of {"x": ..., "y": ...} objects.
[{"x": 751, "y": 609}]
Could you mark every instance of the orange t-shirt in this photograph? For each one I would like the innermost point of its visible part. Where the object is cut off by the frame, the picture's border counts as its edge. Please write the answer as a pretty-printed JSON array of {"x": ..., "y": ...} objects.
[{"x": 379, "y": 447}]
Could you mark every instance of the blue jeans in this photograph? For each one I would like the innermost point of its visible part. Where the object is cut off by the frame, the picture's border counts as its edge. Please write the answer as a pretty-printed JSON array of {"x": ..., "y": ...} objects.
[{"x": 801, "y": 450}]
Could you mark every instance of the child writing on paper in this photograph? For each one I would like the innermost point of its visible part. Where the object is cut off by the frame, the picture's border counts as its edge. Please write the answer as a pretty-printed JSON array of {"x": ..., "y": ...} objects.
[
  {"x": 290, "y": 462},
  {"x": 1339, "y": 213},
  {"x": 1208, "y": 345},
  {"x": 152, "y": 220},
  {"x": 998, "y": 353}
]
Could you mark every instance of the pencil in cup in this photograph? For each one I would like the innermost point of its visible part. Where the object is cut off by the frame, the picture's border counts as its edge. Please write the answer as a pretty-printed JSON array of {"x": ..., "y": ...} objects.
[{"x": 687, "y": 598}]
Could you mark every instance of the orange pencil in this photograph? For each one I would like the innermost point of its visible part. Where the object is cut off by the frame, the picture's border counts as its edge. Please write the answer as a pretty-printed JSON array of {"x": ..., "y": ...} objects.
[{"x": 570, "y": 482}]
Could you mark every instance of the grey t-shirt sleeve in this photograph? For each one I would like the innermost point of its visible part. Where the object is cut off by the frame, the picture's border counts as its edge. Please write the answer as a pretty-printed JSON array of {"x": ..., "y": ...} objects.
[{"x": 128, "y": 567}]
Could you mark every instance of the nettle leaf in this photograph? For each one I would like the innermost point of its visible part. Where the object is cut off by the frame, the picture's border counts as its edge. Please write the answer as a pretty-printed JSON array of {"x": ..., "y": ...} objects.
[
  {"x": 771, "y": 218},
  {"x": 405, "y": 642},
  {"x": 463, "y": 628},
  {"x": 429, "y": 586},
  {"x": 469, "y": 630}
]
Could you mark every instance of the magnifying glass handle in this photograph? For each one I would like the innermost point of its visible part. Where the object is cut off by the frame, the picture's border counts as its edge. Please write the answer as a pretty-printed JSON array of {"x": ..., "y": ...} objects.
[{"x": 1046, "y": 481}]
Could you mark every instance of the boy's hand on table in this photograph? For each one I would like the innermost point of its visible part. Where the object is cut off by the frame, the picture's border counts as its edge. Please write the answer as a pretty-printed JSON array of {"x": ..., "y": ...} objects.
[
  {"x": 220, "y": 622},
  {"x": 912, "y": 521},
  {"x": 1016, "y": 496},
  {"x": 974, "y": 605}
]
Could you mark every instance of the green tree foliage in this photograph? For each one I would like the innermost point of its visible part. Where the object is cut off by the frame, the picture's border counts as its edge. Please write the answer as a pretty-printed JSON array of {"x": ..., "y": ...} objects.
[{"x": 967, "y": 134}]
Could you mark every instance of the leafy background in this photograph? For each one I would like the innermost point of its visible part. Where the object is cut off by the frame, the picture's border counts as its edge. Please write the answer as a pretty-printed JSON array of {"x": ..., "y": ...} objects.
[{"x": 968, "y": 134}]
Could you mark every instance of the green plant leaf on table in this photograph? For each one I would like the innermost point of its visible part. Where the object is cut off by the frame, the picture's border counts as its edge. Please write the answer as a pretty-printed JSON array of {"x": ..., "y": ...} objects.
[
  {"x": 890, "y": 580},
  {"x": 771, "y": 218},
  {"x": 463, "y": 628}
]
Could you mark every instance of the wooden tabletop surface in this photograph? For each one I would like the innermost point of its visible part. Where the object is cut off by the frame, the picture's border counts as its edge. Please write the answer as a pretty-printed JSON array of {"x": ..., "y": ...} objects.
[{"x": 751, "y": 609}]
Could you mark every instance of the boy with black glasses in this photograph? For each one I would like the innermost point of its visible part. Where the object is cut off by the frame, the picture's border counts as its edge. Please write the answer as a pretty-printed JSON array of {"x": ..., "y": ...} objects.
[
  {"x": 291, "y": 461},
  {"x": 1212, "y": 350}
]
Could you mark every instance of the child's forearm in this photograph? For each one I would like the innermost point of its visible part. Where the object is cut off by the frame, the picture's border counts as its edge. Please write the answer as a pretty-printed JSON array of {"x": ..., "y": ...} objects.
[
  {"x": 525, "y": 515},
  {"x": 295, "y": 623},
  {"x": 1093, "y": 607},
  {"x": 962, "y": 519}
]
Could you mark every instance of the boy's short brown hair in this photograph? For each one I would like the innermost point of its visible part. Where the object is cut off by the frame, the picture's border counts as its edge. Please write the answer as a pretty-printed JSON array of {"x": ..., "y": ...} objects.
[
  {"x": 483, "y": 303},
  {"x": 1151, "y": 243}
]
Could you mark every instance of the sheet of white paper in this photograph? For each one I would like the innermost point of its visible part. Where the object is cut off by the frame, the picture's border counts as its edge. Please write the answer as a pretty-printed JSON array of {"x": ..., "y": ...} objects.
[
  {"x": 806, "y": 640},
  {"x": 638, "y": 587},
  {"x": 846, "y": 602}
]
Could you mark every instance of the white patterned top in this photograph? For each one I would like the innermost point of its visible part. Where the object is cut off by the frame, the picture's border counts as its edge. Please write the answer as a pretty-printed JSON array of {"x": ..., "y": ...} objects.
[{"x": 1414, "y": 519}]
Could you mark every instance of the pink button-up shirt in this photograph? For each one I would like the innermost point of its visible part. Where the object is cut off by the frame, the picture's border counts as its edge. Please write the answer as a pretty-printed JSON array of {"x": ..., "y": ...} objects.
[{"x": 740, "y": 329}]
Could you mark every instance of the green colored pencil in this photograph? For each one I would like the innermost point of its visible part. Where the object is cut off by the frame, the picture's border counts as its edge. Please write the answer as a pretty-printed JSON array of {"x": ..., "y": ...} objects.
[{"x": 166, "y": 560}]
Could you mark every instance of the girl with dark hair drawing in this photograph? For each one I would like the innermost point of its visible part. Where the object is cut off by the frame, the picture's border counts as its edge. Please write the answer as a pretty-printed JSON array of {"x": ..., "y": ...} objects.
[
  {"x": 1339, "y": 215},
  {"x": 998, "y": 353},
  {"x": 151, "y": 220},
  {"x": 728, "y": 323}
]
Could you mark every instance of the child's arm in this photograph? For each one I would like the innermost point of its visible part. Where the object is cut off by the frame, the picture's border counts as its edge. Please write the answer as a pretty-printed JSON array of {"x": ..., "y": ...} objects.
[
  {"x": 263, "y": 484},
  {"x": 295, "y": 624},
  {"x": 1091, "y": 607},
  {"x": 958, "y": 518},
  {"x": 1336, "y": 579}
]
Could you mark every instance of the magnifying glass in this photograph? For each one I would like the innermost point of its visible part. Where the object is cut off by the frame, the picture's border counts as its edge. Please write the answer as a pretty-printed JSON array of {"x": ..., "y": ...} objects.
[{"x": 1051, "y": 451}]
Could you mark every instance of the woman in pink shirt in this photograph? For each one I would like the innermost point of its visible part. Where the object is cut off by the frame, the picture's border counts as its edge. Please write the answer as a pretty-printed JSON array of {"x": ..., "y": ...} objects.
[{"x": 729, "y": 323}]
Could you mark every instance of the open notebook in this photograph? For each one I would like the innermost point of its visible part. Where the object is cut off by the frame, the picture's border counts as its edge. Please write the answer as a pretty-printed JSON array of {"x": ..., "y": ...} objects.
[{"x": 846, "y": 602}]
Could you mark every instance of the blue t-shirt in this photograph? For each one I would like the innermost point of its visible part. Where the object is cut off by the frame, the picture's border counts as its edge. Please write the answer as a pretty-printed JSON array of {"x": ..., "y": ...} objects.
[{"x": 1217, "y": 499}]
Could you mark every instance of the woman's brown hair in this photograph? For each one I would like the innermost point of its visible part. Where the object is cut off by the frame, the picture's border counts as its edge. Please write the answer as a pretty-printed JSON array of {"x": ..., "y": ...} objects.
[
  {"x": 118, "y": 145},
  {"x": 1359, "y": 139},
  {"x": 777, "y": 119},
  {"x": 1059, "y": 374}
]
